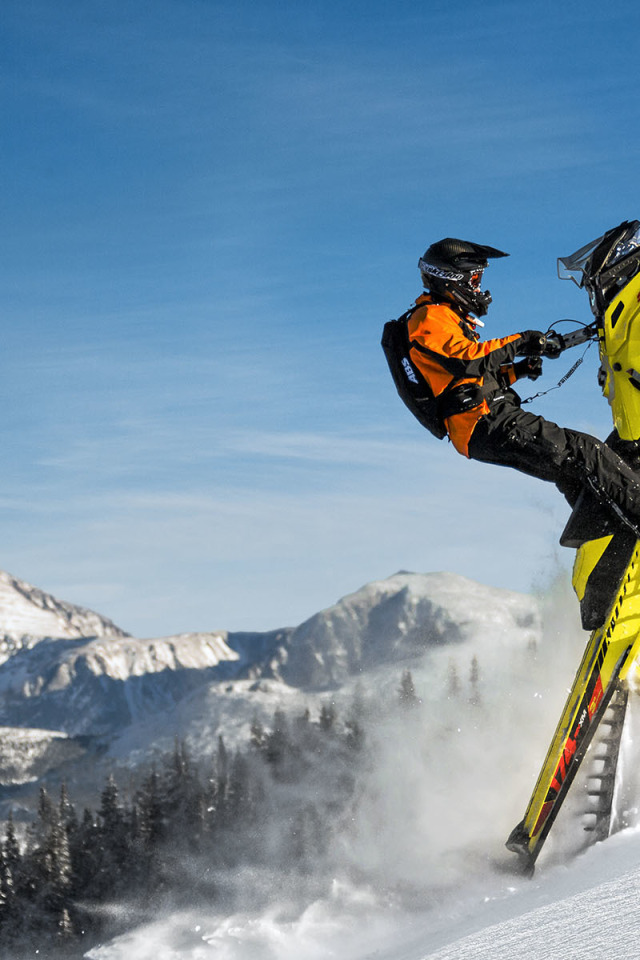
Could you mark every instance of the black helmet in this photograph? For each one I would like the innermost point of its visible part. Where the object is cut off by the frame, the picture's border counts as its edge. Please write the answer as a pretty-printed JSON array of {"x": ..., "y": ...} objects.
[
  {"x": 452, "y": 270},
  {"x": 604, "y": 266}
]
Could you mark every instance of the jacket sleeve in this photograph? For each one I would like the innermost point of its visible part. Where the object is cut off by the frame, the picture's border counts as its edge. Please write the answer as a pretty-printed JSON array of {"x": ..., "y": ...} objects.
[{"x": 460, "y": 356}]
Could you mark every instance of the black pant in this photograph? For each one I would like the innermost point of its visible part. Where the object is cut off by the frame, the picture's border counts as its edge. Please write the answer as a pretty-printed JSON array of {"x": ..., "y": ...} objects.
[{"x": 512, "y": 437}]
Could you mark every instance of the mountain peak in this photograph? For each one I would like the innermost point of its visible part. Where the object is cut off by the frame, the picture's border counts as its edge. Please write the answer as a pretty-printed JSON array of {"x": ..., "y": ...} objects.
[
  {"x": 397, "y": 618},
  {"x": 28, "y": 614}
]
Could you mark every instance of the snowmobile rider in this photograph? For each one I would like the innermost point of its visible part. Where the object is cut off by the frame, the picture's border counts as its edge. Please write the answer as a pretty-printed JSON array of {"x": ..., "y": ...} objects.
[{"x": 460, "y": 386}]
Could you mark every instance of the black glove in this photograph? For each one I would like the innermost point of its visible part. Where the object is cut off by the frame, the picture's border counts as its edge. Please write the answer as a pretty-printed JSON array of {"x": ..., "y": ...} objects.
[
  {"x": 532, "y": 343},
  {"x": 531, "y": 368}
]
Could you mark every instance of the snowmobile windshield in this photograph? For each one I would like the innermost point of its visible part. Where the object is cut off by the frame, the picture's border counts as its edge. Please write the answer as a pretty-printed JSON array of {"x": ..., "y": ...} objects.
[
  {"x": 617, "y": 246},
  {"x": 572, "y": 267}
]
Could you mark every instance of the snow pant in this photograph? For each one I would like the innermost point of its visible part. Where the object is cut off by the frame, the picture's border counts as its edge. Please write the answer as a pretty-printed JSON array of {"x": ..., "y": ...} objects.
[{"x": 513, "y": 437}]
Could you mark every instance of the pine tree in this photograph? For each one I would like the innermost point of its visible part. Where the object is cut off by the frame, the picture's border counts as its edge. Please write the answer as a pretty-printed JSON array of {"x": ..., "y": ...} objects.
[
  {"x": 67, "y": 811},
  {"x": 183, "y": 794},
  {"x": 407, "y": 692},
  {"x": 303, "y": 721},
  {"x": 84, "y": 844},
  {"x": 110, "y": 812},
  {"x": 453, "y": 681},
  {"x": 12, "y": 857},
  {"x": 151, "y": 811},
  {"x": 49, "y": 867},
  {"x": 65, "y": 926},
  {"x": 239, "y": 790},
  {"x": 474, "y": 680},
  {"x": 277, "y": 742},
  {"x": 12, "y": 890},
  {"x": 113, "y": 840},
  {"x": 304, "y": 735},
  {"x": 69, "y": 867},
  {"x": 257, "y": 735},
  {"x": 327, "y": 716},
  {"x": 210, "y": 800},
  {"x": 152, "y": 828},
  {"x": 354, "y": 734},
  {"x": 6, "y": 896},
  {"x": 46, "y": 814},
  {"x": 220, "y": 784}
]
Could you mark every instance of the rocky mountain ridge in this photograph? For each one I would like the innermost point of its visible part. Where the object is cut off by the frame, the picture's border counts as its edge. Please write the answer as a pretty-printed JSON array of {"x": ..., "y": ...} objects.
[
  {"x": 28, "y": 614},
  {"x": 75, "y": 674},
  {"x": 83, "y": 683}
]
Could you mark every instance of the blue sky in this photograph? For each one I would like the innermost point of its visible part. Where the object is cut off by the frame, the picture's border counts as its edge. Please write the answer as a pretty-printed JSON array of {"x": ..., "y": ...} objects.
[{"x": 208, "y": 212}]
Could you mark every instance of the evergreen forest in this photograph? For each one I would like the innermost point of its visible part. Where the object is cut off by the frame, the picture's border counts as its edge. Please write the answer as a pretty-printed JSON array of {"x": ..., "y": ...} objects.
[{"x": 185, "y": 829}]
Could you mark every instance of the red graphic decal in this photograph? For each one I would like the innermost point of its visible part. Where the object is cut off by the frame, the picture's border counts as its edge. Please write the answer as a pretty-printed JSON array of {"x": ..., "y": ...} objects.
[
  {"x": 544, "y": 813},
  {"x": 568, "y": 753},
  {"x": 596, "y": 698}
]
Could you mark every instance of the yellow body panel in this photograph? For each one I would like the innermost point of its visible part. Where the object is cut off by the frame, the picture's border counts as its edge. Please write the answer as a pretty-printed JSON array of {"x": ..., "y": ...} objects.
[
  {"x": 620, "y": 364},
  {"x": 611, "y": 651},
  {"x": 620, "y": 357},
  {"x": 587, "y": 556}
]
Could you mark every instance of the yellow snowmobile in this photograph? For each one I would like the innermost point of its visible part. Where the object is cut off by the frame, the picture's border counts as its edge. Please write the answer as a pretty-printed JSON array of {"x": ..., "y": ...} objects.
[{"x": 606, "y": 573}]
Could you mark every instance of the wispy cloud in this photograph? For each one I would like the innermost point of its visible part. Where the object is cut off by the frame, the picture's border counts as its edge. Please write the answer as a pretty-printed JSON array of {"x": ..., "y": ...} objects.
[{"x": 247, "y": 556}]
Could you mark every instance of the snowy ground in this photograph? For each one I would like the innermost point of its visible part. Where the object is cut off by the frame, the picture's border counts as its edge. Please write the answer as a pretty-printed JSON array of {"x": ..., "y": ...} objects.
[{"x": 585, "y": 910}]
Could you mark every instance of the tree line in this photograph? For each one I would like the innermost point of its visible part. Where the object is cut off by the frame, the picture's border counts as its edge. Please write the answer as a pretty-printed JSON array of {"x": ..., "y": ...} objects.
[
  {"x": 273, "y": 800},
  {"x": 277, "y": 800}
]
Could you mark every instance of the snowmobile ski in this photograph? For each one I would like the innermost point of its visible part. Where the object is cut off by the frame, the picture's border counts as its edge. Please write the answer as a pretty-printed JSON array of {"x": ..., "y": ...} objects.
[{"x": 607, "y": 659}]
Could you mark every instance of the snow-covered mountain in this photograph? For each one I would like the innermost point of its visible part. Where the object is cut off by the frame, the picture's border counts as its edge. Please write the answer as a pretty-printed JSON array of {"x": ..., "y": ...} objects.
[
  {"x": 100, "y": 685},
  {"x": 70, "y": 673},
  {"x": 27, "y": 615},
  {"x": 398, "y": 618}
]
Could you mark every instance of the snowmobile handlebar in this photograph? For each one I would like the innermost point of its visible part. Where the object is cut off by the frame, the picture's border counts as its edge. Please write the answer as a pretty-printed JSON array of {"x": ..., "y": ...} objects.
[{"x": 556, "y": 343}]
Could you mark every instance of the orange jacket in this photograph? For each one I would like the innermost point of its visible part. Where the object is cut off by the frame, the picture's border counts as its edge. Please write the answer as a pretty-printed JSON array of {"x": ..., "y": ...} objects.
[{"x": 447, "y": 351}]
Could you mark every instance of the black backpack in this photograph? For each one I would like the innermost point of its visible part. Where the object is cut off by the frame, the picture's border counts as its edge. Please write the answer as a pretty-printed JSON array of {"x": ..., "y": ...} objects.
[{"x": 414, "y": 390}]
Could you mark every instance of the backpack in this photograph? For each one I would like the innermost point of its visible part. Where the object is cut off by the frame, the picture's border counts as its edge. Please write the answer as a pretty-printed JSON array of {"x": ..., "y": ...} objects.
[{"x": 412, "y": 387}]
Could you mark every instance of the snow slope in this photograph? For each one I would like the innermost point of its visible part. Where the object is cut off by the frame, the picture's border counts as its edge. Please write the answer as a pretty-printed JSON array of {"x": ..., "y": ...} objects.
[
  {"x": 584, "y": 911},
  {"x": 27, "y": 754}
]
